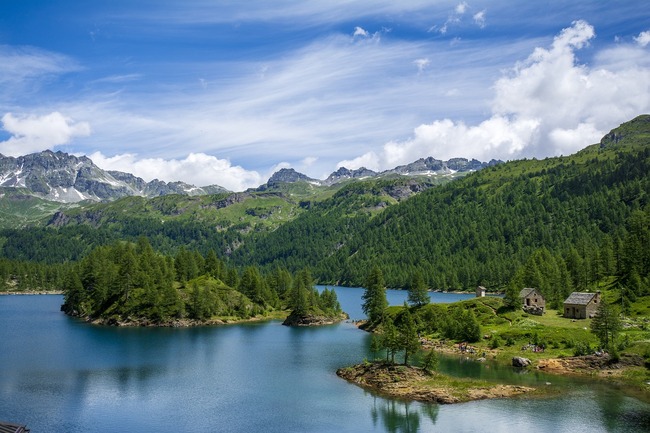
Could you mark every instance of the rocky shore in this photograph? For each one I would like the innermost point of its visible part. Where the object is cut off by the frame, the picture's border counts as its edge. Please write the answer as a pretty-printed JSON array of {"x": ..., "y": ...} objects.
[{"x": 412, "y": 383}]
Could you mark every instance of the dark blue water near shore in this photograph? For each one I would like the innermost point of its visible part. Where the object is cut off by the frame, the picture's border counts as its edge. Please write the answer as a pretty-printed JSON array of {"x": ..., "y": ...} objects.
[{"x": 58, "y": 374}]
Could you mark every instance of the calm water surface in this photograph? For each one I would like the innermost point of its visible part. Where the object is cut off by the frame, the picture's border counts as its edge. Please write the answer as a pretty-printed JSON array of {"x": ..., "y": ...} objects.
[{"x": 61, "y": 375}]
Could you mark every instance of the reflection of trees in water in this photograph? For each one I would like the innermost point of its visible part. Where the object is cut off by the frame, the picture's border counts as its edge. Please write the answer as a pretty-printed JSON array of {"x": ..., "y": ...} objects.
[
  {"x": 621, "y": 413},
  {"x": 402, "y": 417}
]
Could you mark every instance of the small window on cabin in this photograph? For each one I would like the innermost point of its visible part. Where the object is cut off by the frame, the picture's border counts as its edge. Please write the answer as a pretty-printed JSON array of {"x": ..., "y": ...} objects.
[{"x": 535, "y": 299}]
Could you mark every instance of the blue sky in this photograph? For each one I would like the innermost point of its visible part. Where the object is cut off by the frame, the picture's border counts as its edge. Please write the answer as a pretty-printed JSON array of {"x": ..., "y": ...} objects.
[{"x": 227, "y": 92}]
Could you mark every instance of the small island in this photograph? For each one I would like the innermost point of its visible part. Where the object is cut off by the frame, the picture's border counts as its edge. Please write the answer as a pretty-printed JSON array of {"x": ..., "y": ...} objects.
[
  {"x": 412, "y": 383},
  {"x": 310, "y": 308},
  {"x": 128, "y": 284}
]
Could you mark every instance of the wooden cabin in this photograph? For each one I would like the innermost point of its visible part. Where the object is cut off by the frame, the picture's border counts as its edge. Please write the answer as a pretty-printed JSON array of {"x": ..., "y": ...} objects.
[
  {"x": 581, "y": 305},
  {"x": 532, "y": 301},
  {"x": 480, "y": 292}
]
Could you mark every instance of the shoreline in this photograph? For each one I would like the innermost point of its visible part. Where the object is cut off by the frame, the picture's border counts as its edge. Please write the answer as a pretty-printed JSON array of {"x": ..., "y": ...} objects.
[
  {"x": 32, "y": 292},
  {"x": 177, "y": 323}
]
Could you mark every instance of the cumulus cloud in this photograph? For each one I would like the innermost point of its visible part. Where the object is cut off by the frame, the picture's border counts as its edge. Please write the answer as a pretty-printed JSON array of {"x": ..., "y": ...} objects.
[
  {"x": 548, "y": 104},
  {"x": 358, "y": 31},
  {"x": 643, "y": 39},
  {"x": 461, "y": 8},
  {"x": 36, "y": 133},
  {"x": 197, "y": 169}
]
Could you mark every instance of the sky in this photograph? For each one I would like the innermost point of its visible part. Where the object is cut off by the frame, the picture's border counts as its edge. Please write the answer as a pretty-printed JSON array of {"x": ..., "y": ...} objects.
[{"x": 227, "y": 92}]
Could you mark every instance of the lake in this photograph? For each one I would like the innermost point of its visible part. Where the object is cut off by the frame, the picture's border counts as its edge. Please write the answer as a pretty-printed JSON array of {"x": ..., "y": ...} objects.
[{"x": 58, "y": 374}]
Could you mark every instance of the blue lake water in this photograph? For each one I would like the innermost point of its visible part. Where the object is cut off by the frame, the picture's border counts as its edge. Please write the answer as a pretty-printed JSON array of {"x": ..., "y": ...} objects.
[{"x": 58, "y": 374}]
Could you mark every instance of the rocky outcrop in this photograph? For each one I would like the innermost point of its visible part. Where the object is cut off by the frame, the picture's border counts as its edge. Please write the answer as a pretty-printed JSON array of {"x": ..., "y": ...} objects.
[{"x": 344, "y": 174}]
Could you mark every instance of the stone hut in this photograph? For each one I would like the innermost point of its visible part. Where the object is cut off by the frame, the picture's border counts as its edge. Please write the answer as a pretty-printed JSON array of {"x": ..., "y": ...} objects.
[
  {"x": 480, "y": 292},
  {"x": 581, "y": 305},
  {"x": 532, "y": 301}
]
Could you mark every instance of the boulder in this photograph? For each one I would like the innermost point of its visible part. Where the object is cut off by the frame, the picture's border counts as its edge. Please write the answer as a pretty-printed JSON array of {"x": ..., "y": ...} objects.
[{"x": 518, "y": 361}]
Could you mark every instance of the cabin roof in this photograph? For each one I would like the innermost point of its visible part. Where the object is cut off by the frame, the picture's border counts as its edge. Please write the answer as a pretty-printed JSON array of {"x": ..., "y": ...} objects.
[
  {"x": 578, "y": 298},
  {"x": 6, "y": 427},
  {"x": 525, "y": 292}
]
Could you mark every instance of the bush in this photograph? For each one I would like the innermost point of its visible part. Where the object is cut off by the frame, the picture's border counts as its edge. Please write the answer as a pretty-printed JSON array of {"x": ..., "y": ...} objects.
[
  {"x": 510, "y": 341},
  {"x": 582, "y": 349},
  {"x": 495, "y": 342}
]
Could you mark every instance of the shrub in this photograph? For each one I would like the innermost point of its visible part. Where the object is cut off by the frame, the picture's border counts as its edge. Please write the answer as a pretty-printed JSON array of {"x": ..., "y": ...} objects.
[{"x": 581, "y": 349}]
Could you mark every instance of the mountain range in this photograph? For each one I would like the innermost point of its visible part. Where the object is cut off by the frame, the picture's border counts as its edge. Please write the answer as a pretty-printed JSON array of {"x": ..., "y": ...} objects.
[
  {"x": 61, "y": 177},
  {"x": 65, "y": 178}
]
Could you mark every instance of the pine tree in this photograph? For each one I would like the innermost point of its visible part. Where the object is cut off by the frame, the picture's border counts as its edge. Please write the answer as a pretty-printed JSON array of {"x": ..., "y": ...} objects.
[
  {"x": 606, "y": 324},
  {"x": 390, "y": 339},
  {"x": 374, "y": 296},
  {"x": 417, "y": 292},
  {"x": 408, "y": 335}
]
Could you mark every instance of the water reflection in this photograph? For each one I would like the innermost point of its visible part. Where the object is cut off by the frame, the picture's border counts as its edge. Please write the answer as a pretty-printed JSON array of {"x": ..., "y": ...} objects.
[{"x": 401, "y": 417}]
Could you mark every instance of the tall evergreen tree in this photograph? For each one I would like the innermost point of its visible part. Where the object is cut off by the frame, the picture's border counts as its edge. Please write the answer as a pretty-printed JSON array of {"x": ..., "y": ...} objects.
[
  {"x": 417, "y": 291},
  {"x": 374, "y": 296},
  {"x": 408, "y": 335},
  {"x": 606, "y": 324}
]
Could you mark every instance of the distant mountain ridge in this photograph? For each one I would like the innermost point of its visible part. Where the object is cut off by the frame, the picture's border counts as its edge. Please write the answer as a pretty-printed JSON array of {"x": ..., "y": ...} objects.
[
  {"x": 61, "y": 177},
  {"x": 64, "y": 178},
  {"x": 422, "y": 167}
]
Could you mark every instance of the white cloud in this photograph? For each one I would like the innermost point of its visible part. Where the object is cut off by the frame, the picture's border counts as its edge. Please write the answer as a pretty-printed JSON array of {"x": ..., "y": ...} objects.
[
  {"x": 461, "y": 8},
  {"x": 36, "y": 133},
  {"x": 421, "y": 64},
  {"x": 643, "y": 39},
  {"x": 197, "y": 169},
  {"x": 21, "y": 63},
  {"x": 549, "y": 104},
  {"x": 358, "y": 31},
  {"x": 479, "y": 18},
  {"x": 308, "y": 161}
]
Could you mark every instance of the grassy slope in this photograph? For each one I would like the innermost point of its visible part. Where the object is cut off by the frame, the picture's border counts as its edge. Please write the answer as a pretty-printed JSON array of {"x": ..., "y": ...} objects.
[{"x": 516, "y": 330}]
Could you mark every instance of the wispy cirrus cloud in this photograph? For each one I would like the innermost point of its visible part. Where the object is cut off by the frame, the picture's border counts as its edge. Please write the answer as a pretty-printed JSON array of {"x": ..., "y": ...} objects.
[{"x": 20, "y": 63}]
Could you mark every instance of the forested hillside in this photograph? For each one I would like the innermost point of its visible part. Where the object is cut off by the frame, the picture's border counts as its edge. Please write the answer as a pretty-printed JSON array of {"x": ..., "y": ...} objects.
[
  {"x": 558, "y": 224},
  {"x": 568, "y": 221}
]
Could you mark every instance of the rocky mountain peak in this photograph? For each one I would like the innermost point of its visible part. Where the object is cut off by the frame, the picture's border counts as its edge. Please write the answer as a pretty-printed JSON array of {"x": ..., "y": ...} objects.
[{"x": 58, "y": 176}]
